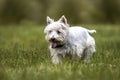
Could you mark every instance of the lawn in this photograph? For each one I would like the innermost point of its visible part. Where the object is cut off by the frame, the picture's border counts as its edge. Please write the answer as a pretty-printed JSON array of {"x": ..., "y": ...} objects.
[{"x": 24, "y": 55}]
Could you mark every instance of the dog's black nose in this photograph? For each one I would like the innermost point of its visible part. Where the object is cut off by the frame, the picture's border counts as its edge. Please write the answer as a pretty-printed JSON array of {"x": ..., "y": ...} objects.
[{"x": 52, "y": 39}]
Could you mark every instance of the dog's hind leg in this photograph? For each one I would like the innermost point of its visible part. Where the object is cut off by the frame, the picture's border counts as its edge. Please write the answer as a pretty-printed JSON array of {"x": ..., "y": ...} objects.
[{"x": 88, "y": 52}]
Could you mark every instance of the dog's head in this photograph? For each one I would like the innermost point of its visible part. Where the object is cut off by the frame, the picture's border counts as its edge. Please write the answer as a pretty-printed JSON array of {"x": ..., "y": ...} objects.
[{"x": 56, "y": 32}]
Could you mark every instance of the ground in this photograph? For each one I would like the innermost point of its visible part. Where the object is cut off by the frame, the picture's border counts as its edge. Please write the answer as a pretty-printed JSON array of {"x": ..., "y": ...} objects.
[{"x": 24, "y": 55}]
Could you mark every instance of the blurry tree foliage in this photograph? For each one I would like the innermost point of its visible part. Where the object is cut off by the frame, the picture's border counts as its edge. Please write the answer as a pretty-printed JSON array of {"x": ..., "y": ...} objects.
[{"x": 77, "y": 11}]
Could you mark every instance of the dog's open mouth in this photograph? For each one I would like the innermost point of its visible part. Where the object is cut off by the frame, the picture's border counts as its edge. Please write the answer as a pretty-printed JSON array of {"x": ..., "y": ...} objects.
[{"x": 54, "y": 44}]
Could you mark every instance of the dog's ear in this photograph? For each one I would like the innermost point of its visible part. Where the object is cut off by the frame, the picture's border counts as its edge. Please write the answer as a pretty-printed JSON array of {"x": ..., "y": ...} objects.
[
  {"x": 63, "y": 20},
  {"x": 49, "y": 20}
]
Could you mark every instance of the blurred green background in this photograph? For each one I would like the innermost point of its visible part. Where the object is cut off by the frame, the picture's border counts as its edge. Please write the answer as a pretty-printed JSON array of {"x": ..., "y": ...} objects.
[{"x": 76, "y": 11}]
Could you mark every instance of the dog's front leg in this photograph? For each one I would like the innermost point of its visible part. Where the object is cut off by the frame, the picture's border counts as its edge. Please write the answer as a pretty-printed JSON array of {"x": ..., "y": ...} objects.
[
  {"x": 56, "y": 56},
  {"x": 56, "y": 59}
]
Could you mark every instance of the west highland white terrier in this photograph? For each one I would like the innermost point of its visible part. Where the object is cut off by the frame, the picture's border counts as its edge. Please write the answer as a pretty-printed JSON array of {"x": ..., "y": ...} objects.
[{"x": 64, "y": 40}]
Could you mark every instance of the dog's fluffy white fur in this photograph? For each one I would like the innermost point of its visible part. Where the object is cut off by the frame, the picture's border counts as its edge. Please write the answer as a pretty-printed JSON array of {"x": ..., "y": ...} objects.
[{"x": 75, "y": 42}]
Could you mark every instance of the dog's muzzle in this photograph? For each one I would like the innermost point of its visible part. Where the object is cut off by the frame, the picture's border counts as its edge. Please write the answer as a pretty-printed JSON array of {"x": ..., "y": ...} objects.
[{"x": 55, "y": 43}]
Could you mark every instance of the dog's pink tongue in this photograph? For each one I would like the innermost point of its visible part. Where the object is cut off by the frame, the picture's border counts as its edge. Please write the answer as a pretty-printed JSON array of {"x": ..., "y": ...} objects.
[{"x": 54, "y": 45}]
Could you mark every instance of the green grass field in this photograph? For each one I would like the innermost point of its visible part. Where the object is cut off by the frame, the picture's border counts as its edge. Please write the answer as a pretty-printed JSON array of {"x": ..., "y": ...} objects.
[{"x": 24, "y": 55}]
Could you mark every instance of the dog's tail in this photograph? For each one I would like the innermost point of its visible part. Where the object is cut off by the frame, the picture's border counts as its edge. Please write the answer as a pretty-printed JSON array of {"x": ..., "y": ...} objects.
[{"x": 91, "y": 31}]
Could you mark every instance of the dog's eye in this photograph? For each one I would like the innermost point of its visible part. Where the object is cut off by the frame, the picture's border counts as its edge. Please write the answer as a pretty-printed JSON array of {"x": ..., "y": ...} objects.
[
  {"x": 58, "y": 32},
  {"x": 50, "y": 31}
]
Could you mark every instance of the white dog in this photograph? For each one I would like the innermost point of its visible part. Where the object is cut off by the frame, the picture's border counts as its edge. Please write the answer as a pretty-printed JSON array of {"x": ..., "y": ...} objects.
[{"x": 73, "y": 41}]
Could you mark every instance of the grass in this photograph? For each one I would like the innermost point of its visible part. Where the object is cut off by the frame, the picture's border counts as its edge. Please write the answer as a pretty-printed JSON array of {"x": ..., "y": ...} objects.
[{"x": 24, "y": 55}]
